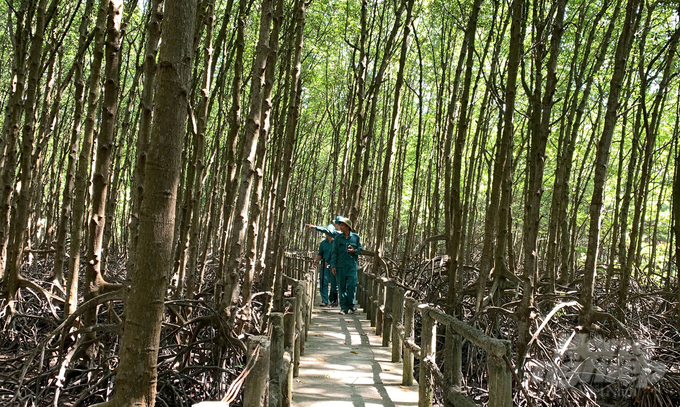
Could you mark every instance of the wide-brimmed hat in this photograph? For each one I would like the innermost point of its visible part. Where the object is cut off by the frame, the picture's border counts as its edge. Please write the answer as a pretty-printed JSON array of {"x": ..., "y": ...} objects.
[{"x": 342, "y": 219}]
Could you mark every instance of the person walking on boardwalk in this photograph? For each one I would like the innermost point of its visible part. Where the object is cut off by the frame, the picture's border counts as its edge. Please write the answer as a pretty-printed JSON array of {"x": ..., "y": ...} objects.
[
  {"x": 345, "y": 263},
  {"x": 325, "y": 275},
  {"x": 344, "y": 260}
]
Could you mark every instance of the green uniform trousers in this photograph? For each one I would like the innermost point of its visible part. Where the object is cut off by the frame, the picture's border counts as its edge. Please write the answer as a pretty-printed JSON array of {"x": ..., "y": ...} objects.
[{"x": 347, "y": 287}]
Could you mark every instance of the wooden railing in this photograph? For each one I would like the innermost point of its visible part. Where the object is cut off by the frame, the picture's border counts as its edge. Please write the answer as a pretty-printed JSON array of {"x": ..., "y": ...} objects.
[
  {"x": 393, "y": 315},
  {"x": 273, "y": 360}
]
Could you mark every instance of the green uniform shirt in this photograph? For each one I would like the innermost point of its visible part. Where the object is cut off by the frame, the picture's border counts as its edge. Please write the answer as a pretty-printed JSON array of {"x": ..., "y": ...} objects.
[
  {"x": 325, "y": 251},
  {"x": 340, "y": 258}
]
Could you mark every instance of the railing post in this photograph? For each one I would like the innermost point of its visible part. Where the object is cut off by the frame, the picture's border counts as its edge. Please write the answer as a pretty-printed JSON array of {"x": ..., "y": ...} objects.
[
  {"x": 299, "y": 328},
  {"x": 428, "y": 347},
  {"x": 500, "y": 379},
  {"x": 257, "y": 382},
  {"x": 379, "y": 307},
  {"x": 374, "y": 302},
  {"x": 368, "y": 303},
  {"x": 276, "y": 363},
  {"x": 359, "y": 288},
  {"x": 409, "y": 316},
  {"x": 304, "y": 310},
  {"x": 364, "y": 292},
  {"x": 388, "y": 317},
  {"x": 311, "y": 285},
  {"x": 453, "y": 359},
  {"x": 313, "y": 273},
  {"x": 289, "y": 344},
  {"x": 301, "y": 267},
  {"x": 398, "y": 314},
  {"x": 364, "y": 286}
]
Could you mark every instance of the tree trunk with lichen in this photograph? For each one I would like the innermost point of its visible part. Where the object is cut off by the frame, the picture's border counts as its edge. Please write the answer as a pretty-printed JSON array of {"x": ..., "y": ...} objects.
[
  {"x": 69, "y": 182},
  {"x": 10, "y": 129},
  {"x": 137, "y": 370},
  {"x": 230, "y": 300},
  {"x": 94, "y": 280},
  {"x": 85, "y": 157},
  {"x": 17, "y": 237},
  {"x": 633, "y": 11},
  {"x": 153, "y": 33},
  {"x": 293, "y": 115}
]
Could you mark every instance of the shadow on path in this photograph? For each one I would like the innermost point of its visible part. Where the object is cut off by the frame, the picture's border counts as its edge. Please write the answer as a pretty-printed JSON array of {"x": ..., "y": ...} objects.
[{"x": 346, "y": 366}]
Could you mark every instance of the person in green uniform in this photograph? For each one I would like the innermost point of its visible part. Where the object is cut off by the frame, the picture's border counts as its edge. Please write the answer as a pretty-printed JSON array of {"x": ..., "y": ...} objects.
[
  {"x": 345, "y": 263},
  {"x": 344, "y": 260},
  {"x": 325, "y": 275}
]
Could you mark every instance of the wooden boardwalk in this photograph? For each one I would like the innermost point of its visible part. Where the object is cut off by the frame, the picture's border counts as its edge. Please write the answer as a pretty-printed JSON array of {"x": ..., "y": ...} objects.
[{"x": 345, "y": 365}]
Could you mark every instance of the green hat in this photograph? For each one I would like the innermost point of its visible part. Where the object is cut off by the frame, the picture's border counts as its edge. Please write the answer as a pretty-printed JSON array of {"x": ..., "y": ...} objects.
[{"x": 342, "y": 219}]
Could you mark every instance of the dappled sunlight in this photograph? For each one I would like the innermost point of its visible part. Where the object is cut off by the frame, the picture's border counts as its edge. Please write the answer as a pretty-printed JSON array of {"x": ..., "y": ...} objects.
[{"x": 346, "y": 365}]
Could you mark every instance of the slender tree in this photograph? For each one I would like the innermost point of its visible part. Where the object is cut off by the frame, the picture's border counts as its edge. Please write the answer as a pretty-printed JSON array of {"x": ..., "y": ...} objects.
[
  {"x": 383, "y": 207},
  {"x": 101, "y": 172},
  {"x": 79, "y": 101},
  {"x": 18, "y": 236},
  {"x": 153, "y": 34},
  {"x": 12, "y": 123},
  {"x": 292, "y": 117},
  {"x": 624, "y": 44},
  {"x": 651, "y": 123},
  {"x": 542, "y": 114},
  {"x": 230, "y": 300},
  {"x": 137, "y": 371},
  {"x": 676, "y": 219},
  {"x": 85, "y": 156}
]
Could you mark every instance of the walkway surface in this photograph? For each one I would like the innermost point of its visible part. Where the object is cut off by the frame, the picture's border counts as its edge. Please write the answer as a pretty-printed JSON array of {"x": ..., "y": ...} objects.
[{"x": 345, "y": 366}]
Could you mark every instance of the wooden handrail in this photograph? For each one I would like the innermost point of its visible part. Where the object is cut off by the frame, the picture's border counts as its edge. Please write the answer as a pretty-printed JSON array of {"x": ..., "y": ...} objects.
[
  {"x": 277, "y": 358},
  {"x": 392, "y": 313},
  {"x": 386, "y": 305}
]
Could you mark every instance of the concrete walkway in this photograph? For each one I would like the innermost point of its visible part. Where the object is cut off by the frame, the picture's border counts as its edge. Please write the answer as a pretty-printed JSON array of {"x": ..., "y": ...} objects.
[{"x": 345, "y": 366}]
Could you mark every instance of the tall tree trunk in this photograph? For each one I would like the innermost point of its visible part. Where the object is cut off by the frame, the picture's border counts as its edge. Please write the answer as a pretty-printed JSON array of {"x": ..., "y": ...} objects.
[
  {"x": 652, "y": 271},
  {"x": 137, "y": 371},
  {"x": 79, "y": 101},
  {"x": 455, "y": 215},
  {"x": 190, "y": 174},
  {"x": 361, "y": 169},
  {"x": 124, "y": 139},
  {"x": 153, "y": 33},
  {"x": 360, "y": 94},
  {"x": 18, "y": 234},
  {"x": 650, "y": 128},
  {"x": 199, "y": 151},
  {"x": 230, "y": 152},
  {"x": 248, "y": 151},
  {"x": 491, "y": 214},
  {"x": 383, "y": 188},
  {"x": 414, "y": 209},
  {"x": 85, "y": 157},
  {"x": 676, "y": 221},
  {"x": 536, "y": 163},
  {"x": 561, "y": 194},
  {"x": 624, "y": 44},
  {"x": 256, "y": 204},
  {"x": 11, "y": 125},
  {"x": 293, "y": 115},
  {"x": 504, "y": 237},
  {"x": 100, "y": 180}
]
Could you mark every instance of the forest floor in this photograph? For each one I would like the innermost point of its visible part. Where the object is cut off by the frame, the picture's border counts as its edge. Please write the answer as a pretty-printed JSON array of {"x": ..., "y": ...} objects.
[{"x": 638, "y": 367}]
